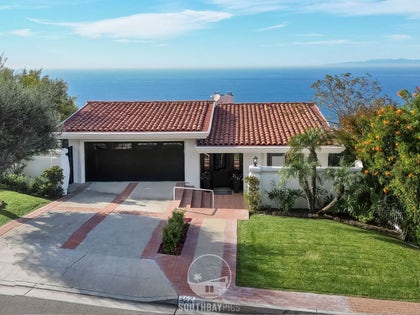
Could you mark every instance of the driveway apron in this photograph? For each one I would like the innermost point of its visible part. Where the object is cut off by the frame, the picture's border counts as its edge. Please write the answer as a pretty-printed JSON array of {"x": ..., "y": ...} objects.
[{"x": 80, "y": 245}]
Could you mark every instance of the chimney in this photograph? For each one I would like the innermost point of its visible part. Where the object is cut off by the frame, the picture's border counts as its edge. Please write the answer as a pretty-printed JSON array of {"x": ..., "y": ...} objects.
[
  {"x": 227, "y": 99},
  {"x": 223, "y": 99}
]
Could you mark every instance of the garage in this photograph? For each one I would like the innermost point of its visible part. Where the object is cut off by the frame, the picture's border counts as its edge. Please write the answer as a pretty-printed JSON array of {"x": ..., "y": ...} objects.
[{"x": 134, "y": 161}]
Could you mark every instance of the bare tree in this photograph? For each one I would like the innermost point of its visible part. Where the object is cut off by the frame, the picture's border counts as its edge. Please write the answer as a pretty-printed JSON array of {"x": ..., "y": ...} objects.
[{"x": 345, "y": 96}]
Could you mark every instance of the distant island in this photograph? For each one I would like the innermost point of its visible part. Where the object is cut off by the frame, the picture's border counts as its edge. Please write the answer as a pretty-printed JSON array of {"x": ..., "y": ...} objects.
[{"x": 382, "y": 62}]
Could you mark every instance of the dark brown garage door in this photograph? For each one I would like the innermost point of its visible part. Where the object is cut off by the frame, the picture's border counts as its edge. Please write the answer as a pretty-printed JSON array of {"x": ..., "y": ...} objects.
[{"x": 134, "y": 161}]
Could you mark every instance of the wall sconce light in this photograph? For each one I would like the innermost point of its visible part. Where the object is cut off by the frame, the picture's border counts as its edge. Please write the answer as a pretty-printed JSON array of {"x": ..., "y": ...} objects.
[{"x": 255, "y": 161}]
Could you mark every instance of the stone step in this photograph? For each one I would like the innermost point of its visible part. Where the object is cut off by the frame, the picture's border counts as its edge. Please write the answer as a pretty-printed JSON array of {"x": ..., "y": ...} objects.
[
  {"x": 196, "y": 199},
  {"x": 186, "y": 200},
  {"x": 206, "y": 200}
]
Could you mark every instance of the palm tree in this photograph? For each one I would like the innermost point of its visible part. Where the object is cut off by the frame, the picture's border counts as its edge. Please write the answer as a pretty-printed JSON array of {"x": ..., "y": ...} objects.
[{"x": 303, "y": 166}]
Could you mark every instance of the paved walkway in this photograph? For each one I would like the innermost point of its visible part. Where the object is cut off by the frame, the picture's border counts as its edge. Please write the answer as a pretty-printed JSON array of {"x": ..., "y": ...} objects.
[{"x": 73, "y": 245}]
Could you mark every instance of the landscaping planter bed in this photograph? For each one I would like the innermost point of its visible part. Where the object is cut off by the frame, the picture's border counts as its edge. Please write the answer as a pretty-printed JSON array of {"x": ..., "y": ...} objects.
[{"x": 178, "y": 249}]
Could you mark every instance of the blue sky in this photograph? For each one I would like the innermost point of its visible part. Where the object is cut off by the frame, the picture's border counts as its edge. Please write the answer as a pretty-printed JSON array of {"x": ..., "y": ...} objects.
[{"x": 205, "y": 33}]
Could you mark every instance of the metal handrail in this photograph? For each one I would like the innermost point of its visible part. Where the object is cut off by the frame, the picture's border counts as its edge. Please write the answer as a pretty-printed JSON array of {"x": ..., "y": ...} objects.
[{"x": 194, "y": 188}]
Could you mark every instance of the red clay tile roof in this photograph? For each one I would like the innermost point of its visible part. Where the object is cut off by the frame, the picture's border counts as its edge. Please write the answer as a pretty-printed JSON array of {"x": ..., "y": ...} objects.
[
  {"x": 171, "y": 116},
  {"x": 262, "y": 124}
]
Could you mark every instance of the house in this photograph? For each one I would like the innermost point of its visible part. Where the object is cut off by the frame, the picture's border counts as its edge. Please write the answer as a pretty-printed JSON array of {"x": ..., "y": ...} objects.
[{"x": 200, "y": 142}]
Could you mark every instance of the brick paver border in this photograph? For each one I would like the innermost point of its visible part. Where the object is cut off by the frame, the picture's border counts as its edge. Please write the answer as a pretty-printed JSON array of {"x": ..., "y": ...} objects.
[
  {"x": 36, "y": 213},
  {"x": 175, "y": 268},
  {"x": 81, "y": 233}
]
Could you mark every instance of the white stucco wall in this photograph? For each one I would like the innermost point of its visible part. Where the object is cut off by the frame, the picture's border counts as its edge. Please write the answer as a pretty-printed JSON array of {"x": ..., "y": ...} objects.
[
  {"x": 39, "y": 163},
  {"x": 78, "y": 160},
  {"x": 323, "y": 158},
  {"x": 263, "y": 161},
  {"x": 192, "y": 163},
  {"x": 269, "y": 176}
]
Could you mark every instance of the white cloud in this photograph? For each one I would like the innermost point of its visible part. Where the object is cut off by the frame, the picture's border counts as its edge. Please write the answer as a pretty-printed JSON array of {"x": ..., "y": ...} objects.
[
  {"x": 342, "y": 7},
  {"x": 366, "y": 7},
  {"x": 273, "y": 27},
  {"x": 127, "y": 41},
  {"x": 311, "y": 35},
  {"x": 324, "y": 42},
  {"x": 144, "y": 26},
  {"x": 398, "y": 37},
  {"x": 6, "y": 7},
  {"x": 25, "y": 32},
  {"x": 251, "y": 6}
]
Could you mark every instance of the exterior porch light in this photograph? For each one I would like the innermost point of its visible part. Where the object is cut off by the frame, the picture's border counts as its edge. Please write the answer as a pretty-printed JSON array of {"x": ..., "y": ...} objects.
[{"x": 255, "y": 160}]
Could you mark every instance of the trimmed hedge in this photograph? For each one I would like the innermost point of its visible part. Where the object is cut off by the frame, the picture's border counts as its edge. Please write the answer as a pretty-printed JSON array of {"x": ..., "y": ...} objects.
[{"x": 174, "y": 234}]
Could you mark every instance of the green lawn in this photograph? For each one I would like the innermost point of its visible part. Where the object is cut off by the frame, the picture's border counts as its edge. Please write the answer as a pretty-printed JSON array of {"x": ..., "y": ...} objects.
[
  {"x": 325, "y": 257},
  {"x": 18, "y": 205}
]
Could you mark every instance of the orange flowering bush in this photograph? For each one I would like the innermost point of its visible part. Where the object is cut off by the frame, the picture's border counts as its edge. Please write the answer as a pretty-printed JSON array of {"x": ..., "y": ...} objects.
[{"x": 390, "y": 148}]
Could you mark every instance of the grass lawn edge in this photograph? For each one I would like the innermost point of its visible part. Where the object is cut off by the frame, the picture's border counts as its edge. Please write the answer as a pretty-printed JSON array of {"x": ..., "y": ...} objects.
[
  {"x": 304, "y": 255},
  {"x": 19, "y": 205}
]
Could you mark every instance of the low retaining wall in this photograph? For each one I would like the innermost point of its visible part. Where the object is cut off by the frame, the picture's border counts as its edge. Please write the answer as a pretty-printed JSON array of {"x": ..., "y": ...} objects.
[
  {"x": 269, "y": 177},
  {"x": 38, "y": 163}
]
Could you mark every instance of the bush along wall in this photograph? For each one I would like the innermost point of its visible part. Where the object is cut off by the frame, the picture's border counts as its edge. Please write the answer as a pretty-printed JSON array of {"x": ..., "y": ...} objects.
[
  {"x": 252, "y": 196},
  {"x": 48, "y": 185}
]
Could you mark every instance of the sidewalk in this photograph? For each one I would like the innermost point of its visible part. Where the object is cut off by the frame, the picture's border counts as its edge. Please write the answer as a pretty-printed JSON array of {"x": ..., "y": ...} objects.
[
  {"x": 219, "y": 237},
  {"x": 107, "y": 252}
]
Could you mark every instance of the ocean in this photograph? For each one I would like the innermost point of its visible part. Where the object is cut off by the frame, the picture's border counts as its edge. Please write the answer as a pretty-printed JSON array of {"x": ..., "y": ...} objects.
[{"x": 247, "y": 85}]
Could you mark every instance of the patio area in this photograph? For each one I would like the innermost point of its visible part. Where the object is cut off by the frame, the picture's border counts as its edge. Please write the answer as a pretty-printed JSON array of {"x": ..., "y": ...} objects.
[{"x": 233, "y": 201}]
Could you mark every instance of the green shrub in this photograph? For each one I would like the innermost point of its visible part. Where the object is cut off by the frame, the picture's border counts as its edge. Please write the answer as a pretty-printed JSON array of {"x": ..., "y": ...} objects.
[
  {"x": 253, "y": 194},
  {"x": 14, "y": 182},
  {"x": 284, "y": 198},
  {"x": 48, "y": 185},
  {"x": 173, "y": 233},
  {"x": 413, "y": 233}
]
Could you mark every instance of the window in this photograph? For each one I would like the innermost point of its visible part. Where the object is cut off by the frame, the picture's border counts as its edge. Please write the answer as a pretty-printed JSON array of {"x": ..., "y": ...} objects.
[
  {"x": 99, "y": 146},
  {"x": 172, "y": 144},
  {"x": 205, "y": 158},
  {"x": 237, "y": 158},
  {"x": 334, "y": 159},
  {"x": 147, "y": 145},
  {"x": 122, "y": 146},
  {"x": 275, "y": 159},
  {"x": 219, "y": 161}
]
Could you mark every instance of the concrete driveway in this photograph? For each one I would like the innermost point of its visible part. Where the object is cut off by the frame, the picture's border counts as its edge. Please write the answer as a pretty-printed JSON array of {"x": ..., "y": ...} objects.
[
  {"x": 146, "y": 196},
  {"x": 103, "y": 241},
  {"x": 87, "y": 244}
]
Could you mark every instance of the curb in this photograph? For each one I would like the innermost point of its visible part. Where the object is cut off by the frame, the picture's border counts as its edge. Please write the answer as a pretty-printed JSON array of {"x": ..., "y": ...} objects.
[
  {"x": 188, "y": 304},
  {"x": 178, "y": 305},
  {"x": 89, "y": 297}
]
